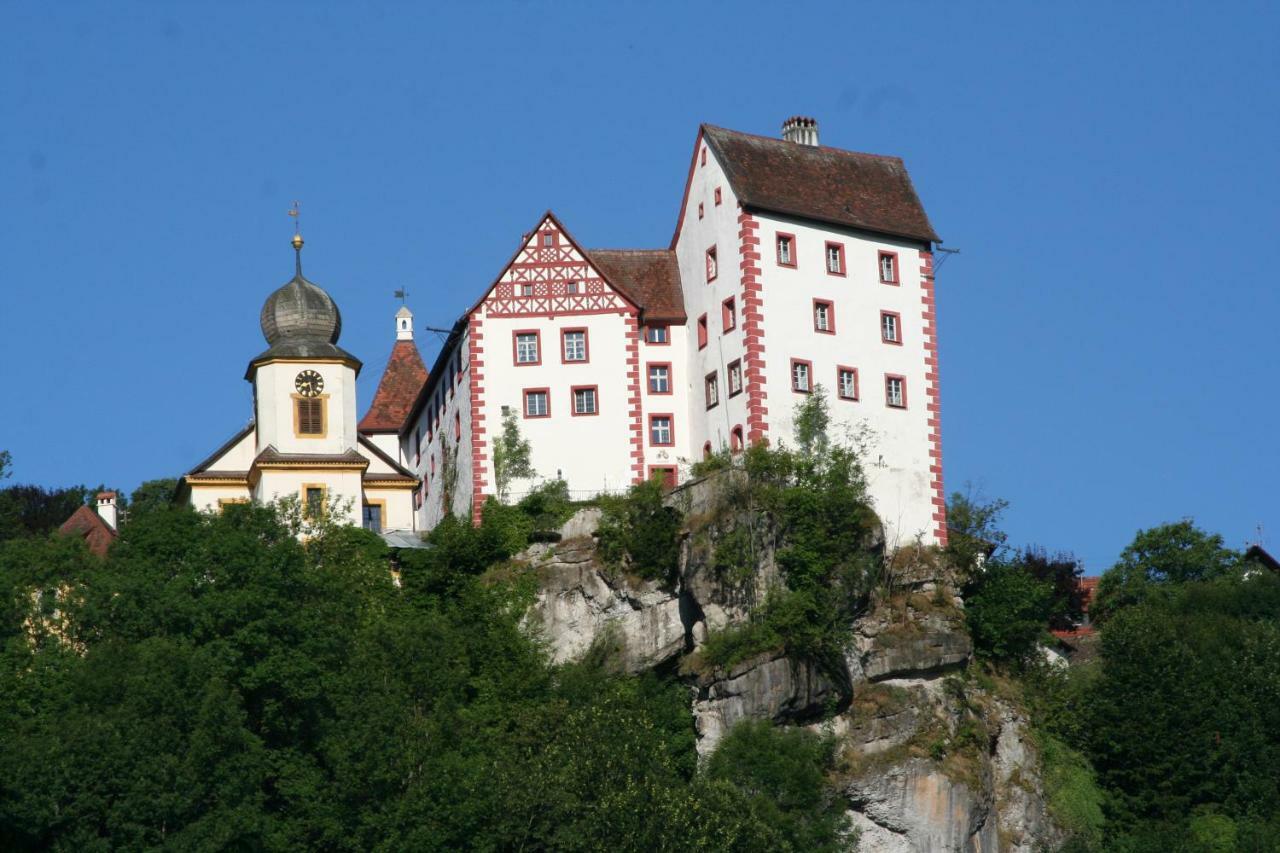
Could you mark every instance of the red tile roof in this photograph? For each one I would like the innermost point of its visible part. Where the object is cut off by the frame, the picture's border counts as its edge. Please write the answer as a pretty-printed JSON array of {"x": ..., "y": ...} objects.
[
  {"x": 89, "y": 526},
  {"x": 401, "y": 381},
  {"x": 865, "y": 191},
  {"x": 650, "y": 276}
]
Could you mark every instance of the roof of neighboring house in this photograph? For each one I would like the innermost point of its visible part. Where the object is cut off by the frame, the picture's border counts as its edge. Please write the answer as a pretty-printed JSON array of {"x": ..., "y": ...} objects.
[
  {"x": 401, "y": 381},
  {"x": 871, "y": 192},
  {"x": 1259, "y": 554},
  {"x": 88, "y": 525},
  {"x": 400, "y": 470},
  {"x": 651, "y": 276},
  {"x": 1087, "y": 586}
]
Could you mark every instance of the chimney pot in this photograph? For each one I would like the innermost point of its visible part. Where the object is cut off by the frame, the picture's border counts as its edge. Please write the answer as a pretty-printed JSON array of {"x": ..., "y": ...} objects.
[
  {"x": 802, "y": 130},
  {"x": 107, "y": 508}
]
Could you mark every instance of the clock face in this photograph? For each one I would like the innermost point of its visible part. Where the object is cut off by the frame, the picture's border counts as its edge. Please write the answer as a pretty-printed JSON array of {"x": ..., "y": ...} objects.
[{"x": 309, "y": 383}]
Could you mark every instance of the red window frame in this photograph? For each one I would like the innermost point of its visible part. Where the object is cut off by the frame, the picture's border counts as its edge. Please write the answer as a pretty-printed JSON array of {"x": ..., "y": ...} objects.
[
  {"x": 887, "y": 378},
  {"x": 671, "y": 423},
  {"x": 586, "y": 345},
  {"x": 897, "y": 326},
  {"x": 808, "y": 364},
  {"x": 827, "y": 263},
  {"x": 713, "y": 265},
  {"x": 542, "y": 239},
  {"x": 524, "y": 402},
  {"x": 736, "y": 441},
  {"x": 515, "y": 347},
  {"x": 573, "y": 400},
  {"x": 777, "y": 249},
  {"x": 729, "y": 314},
  {"x": 702, "y": 332},
  {"x": 711, "y": 380},
  {"x": 532, "y": 291},
  {"x": 734, "y": 366},
  {"x": 897, "y": 273},
  {"x": 719, "y": 197},
  {"x": 842, "y": 368},
  {"x": 831, "y": 316},
  {"x": 666, "y": 333},
  {"x": 670, "y": 378},
  {"x": 706, "y": 450}
]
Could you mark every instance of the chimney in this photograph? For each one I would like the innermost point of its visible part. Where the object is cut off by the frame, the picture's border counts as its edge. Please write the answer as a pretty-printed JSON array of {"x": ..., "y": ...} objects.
[
  {"x": 107, "y": 508},
  {"x": 801, "y": 129}
]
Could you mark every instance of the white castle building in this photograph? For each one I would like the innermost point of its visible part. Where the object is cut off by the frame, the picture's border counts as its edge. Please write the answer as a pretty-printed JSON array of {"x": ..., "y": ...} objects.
[{"x": 793, "y": 266}]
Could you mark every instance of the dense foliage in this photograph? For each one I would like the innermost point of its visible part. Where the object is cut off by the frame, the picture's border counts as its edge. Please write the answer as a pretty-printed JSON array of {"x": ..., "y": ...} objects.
[{"x": 214, "y": 683}]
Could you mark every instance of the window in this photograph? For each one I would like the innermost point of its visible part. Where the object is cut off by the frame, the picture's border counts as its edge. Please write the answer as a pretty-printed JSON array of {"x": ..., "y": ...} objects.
[
  {"x": 729, "y": 314},
  {"x": 373, "y": 517},
  {"x": 574, "y": 343},
  {"x": 895, "y": 391},
  {"x": 659, "y": 379},
  {"x": 312, "y": 500},
  {"x": 835, "y": 258},
  {"x": 706, "y": 450},
  {"x": 847, "y": 383},
  {"x": 457, "y": 426},
  {"x": 309, "y": 417},
  {"x": 571, "y": 287},
  {"x": 718, "y": 195},
  {"x": 660, "y": 431},
  {"x": 537, "y": 403},
  {"x": 585, "y": 400},
  {"x": 704, "y": 156},
  {"x": 735, "y": 440},
  {"x": 702, "y": 331},
  {"x": 713, "y": 390},
  {"x": 548, "y": 238},
  {"x": 526, "y": 346},
  {"x": 526, "y": 290},
  {"x": 891, "y": 327},
  {"x": 701, "y": 208},
  {"x": 801, "y": 376},
  {"x": 735, "y": 377},
  {"x": 656, "y": 335},
  {"x": 889, "y": 267},
  {"x": 824, "y": 316},
  {"x": 712, "y": 268},
  {"x": 786, "y": 250}
]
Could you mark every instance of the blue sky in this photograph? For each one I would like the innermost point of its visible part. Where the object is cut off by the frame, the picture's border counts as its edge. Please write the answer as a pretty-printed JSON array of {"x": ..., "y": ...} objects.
[{"x": 1108, "y": 171}]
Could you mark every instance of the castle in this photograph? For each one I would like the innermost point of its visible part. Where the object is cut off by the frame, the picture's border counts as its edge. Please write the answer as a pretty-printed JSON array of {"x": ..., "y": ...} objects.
[{"x": 794, "y": 268}]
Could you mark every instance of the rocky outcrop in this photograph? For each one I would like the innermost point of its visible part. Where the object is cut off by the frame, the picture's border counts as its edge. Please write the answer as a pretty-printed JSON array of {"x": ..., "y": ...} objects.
[
  {"x": 895, "y": 642},
  {"x": 767, "y": 687},
  {"x": 581, "y": 603},
  {"x": 914, "y": 806}
]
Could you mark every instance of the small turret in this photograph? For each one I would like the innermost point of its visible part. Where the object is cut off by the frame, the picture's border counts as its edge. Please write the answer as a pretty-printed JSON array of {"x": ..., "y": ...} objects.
[{"x": 404, "y": 324}]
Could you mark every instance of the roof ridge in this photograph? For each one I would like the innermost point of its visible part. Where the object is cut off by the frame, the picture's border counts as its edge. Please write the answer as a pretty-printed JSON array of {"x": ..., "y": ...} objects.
[{"x": 817, "y": 147}]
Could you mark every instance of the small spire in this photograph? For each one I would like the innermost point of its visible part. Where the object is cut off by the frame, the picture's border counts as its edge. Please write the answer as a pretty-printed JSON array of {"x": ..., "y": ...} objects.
[{"x": 297, "y": 240}]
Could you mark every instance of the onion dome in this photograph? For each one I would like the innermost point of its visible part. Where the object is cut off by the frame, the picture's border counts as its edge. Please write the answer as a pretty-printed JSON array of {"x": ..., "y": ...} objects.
[{"x": 300, "y": 320}]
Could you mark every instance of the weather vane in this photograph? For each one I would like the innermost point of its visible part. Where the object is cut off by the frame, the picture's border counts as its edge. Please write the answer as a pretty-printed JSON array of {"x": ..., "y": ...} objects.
[
  {"x": 400, "y": 294},
  {"x": 296, "y": 213}
]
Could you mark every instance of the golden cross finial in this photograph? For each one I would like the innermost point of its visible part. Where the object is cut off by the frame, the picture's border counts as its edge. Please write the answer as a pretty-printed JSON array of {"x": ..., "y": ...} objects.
[{"x": 296, "y": 213}]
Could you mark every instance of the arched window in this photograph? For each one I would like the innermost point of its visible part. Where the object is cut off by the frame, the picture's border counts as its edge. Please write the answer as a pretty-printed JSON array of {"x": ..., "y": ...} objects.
[
  {"x": 735, "y": 442},
  {"x": 706, "y": 450}
]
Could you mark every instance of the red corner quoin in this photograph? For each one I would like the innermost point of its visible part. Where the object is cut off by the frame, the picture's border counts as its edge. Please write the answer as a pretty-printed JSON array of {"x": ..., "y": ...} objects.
[
  {"x": 752, "y": 326},
  {"x": 934, "y": 407}
]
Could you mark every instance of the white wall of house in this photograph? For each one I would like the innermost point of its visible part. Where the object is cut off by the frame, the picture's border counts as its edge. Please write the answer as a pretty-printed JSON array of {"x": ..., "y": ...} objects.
[
  {"x": 208, "y": 498},
  {"x": 718, "y": 227},
  {"x": 441, "y": 438},
  {"x": 897, "y": 461},
  {"x": 397, "y": 506},
  {"x": 342, "y": 486}
]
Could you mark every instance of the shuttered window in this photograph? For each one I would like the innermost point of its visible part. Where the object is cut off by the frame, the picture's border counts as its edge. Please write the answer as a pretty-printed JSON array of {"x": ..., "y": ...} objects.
[{"x": 310, "y": 416}]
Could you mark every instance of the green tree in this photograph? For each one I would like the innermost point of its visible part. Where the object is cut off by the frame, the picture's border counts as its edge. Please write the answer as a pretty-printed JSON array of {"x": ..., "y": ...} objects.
[
  {"x": 511, "y": 455},
  {"x": 973, "y": 531},
  {"x": 812, "y": 419},
  {"x": 6, "y": 465},
  {"x": 152, "y": 495},
  {"x": 35, "y": 511},
  {"x": 1158, "y": 560},
  {"x": 1007, "y": 610}
]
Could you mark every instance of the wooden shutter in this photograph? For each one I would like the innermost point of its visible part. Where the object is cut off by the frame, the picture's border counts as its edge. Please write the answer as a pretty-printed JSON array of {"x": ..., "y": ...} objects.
[{"x": 310, "y": 416}]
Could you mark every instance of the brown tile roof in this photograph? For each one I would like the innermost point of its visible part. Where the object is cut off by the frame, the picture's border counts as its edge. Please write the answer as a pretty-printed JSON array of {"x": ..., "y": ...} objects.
[
  {"x": 865, "y": 191},
  {"x": 401, "y": 381},
  {"x": 88, "y": 525},
  {"x": 272, "y": 456},
  {"x": 650, "y": 276}
]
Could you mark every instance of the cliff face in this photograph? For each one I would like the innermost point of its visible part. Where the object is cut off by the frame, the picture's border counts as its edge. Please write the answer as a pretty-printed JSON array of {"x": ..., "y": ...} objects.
[{"x": 928, "y": 760}]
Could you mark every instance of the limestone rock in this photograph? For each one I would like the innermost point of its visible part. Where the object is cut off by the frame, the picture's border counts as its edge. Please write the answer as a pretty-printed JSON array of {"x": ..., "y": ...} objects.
[
  {"x": 766, "y": 687},
  {"x": 922, "y": 643},
  {"x": 913, "y": 806},
  {"x": 579, "y": 603}
]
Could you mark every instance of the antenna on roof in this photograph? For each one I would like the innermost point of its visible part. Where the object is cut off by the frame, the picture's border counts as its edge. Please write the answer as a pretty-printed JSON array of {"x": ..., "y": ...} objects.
[{"x": 946, "y": 253}]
